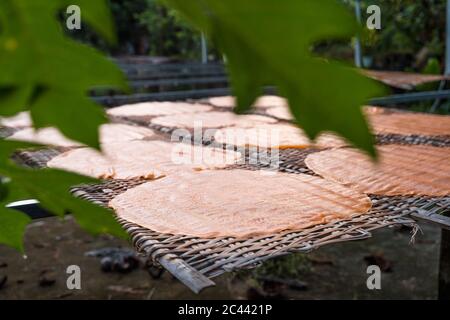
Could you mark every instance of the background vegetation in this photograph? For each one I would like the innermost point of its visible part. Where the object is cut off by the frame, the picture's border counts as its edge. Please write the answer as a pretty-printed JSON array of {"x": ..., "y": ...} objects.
[
  {"x": 412, "y": 34},
  {"x": 412, "y": 37},
  {"x": 146, "y": 27}
]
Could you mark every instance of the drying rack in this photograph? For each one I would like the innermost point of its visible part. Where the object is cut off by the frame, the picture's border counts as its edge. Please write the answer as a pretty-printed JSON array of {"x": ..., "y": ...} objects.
[{"x": 196, "y": 261}]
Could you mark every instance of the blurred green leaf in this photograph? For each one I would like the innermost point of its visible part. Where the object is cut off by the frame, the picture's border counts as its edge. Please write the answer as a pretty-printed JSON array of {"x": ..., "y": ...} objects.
[
  {"x": 79, "y": 118},
  {"x": 50, "y": 75},
  {"x": 432, "y": 67},
  {"x": 97, "y": 14},
  {"x": 51, "y": 72},
  {"x": 96, "y": 220},
  {"x": 14, "y": 99},
  {"x": 268, "y": 42},
  {"x": 12, "y": 227},
  {"x": 3, "y": 189},
  {"x": 52, "y": 188}
]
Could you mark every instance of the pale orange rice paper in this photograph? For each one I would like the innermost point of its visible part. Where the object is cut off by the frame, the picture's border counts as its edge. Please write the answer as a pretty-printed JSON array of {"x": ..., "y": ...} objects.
[
  {"x": 142, "y": 159},
  {"x": 278, "y": 136},
  {"x": 267, "y": 101},
  {"x": 370, "y": 110},
  {"x": 408, "y": 123},
  {"x": 147, "y": 110},
  {"x": 211, "y": 120},
  {"x": 402, "y": 170},
  {"x": 403, "y": 80},
  {"x": 283, "y": 112},
  {"x": 117, "y": 132},
  {"x": 111, "y": 132},
  {"x": 20, "y": 120},
  {"x": 46, "y": 136},
  {"x": 237, "y": 203}
]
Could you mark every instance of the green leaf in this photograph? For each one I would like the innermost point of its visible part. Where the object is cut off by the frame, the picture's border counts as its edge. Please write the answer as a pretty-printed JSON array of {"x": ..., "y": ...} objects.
[
  {"x": 13, "y": 193},
  {"x": 96, "y": 220},
  {"x": 52, "y": 188},
  {"x": 98, "y": 15},
  {"x": 52, "y": 73},
  {"x": 12, "y": 227},
  {"x": 268, "y": 42},
  {"x": 71, "y": 119},
  {"x": 3, "y": 189},
  {"x": 14, "y": 99}
]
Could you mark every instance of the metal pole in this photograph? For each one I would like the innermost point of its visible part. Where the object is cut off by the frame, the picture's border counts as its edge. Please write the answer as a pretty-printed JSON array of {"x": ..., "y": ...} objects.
[
  {"x": 358, "y": 59},
  {"x": 444, "y": 266},
  {"x": 204, "y": 46},
  {"x": 437, "y": 103},
  {"x": 411, "y": 97},
  {"x": 447, "y": 41}
]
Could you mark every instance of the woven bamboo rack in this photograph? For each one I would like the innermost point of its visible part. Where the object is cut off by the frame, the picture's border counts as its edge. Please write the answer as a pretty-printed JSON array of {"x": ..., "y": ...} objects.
[{"x": 195, "y": 261}]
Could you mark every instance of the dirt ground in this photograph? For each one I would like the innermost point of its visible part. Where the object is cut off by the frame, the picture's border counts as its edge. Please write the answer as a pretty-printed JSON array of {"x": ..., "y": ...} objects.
[{"x": 409, "y": 271}]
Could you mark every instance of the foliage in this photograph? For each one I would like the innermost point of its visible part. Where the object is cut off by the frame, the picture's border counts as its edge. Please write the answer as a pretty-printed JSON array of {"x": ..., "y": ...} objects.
[
  {"x": 146, "y": 27},
  {"x": 168, "y": 34},
  {"x": 45, "y": 72},
  {"x": 48, "y": 74},
  {"x": 129, "y": 32},
  {"x": 411, "y": 33},
  {"x": 323, "y": 95},
  {"x": 12, "y": 228},
  {"x": 42, "y": 70}
]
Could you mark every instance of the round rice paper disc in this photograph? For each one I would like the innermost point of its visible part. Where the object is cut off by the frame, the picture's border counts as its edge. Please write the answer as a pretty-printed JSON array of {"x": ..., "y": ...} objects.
[
  {"x": 403, "y": 80},
  {"x": 109, "y": 133},
  {"x": 117, "y": 132},
  {"x": 47, "y": 136},
  {"x": 20, "y": 120},
  {"x": 402, "y": 170},
  {"x": 237, "y": 203},
  {"x": 405, "y": 123},
  {"x": 223, "y": 102},
  {"x": 211, "y": 120},
  {"x": 281, "y": 113},
  {"x": 279, "y": 136},
  {"x": 376, "y": 110},
  {"x": 142, "y": 159},
  {"x": 262, "y": 102},
  {"x": 147, "y": 110}
]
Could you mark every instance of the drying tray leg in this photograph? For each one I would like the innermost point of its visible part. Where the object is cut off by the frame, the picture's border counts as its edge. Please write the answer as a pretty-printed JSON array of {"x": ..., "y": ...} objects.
[
  {"x": 444, "y": 266},
  {"x": 189, "y": 276},
  {"x": 177, "y": 267}
]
